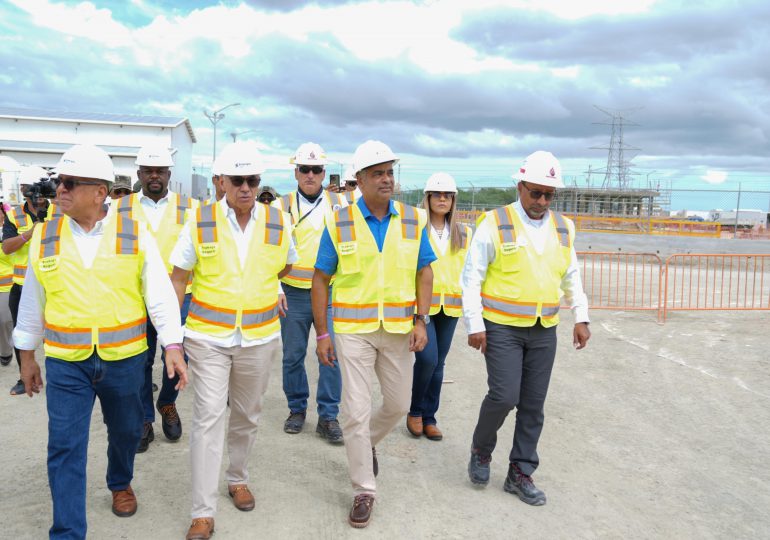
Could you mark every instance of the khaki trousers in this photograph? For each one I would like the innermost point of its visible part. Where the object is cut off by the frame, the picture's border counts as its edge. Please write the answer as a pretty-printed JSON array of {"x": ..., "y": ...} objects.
[
  {"x": 389, "y": 357},
  {"x": 242, "y": 373},
  {"x": 6, "y": 326}
]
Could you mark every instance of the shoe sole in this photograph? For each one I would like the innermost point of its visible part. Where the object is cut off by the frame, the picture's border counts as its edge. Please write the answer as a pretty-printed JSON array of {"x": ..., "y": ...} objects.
[
  {"x": 359, "y": 525},
  {"x": 323, "y": 435},
  {"x": 124, "y": 514},
  {"x": 241, "y": 508},
  {"x": 513, "y": 490},
  {"x": 292, "y": 431},
  {"x": 199, "y": 537}
]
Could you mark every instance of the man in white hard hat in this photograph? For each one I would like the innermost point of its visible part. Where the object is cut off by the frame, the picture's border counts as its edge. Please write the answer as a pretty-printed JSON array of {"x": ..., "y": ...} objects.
[
  {"x": 521, "y": 259},
  {"x": 308, "y": 206},
  {"x": 93, "y": 277},
  {"x": 164, "y": 213},
  {"x": 379, "y": 254},
  {"x": 351, "y": 191},
  {"x": 17, "y": 232},
  {"x": 237, "y": 250}
]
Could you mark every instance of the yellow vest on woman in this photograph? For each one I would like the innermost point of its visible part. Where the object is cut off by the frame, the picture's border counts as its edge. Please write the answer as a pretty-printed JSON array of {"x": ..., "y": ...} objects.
[
  {"x": 306, "y": 238},
  {"x": 226, "y": 296},
  {"x": 99, "y": 307},
  {"x": 373, "y": 288},
  {"x": 6, "y": 272},
  {"x": 522, "y": 285},
  {"x": 23, "y": 223},
  {"x": 447, "y": 293}
]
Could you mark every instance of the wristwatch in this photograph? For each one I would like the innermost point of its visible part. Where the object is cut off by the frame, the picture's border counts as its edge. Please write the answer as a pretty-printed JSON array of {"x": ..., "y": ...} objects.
[{"x": 423, "y": 318}]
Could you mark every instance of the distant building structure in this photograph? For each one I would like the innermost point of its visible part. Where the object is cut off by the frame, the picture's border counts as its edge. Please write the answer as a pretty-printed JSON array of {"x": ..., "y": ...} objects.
[
  {"x": 608, "y": 202},
  {"x": 40, "y": 137}
]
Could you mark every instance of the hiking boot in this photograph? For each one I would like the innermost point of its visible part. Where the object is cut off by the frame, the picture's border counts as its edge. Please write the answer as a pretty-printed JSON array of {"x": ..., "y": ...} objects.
[
  {"x": 521, "y": 484},
  {"x": 172, "y": 425},
  {"x": 478, "y": 468},
  {"x": 148, "y": 435},
  {"x": 330, "y": 430},
  {"x": 294, "y": 422}
]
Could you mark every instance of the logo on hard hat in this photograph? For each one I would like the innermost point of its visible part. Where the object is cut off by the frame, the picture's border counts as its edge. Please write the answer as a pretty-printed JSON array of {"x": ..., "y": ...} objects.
[
  {"x": 312, "y": 155},
  {"x": 244, "y": 164},
  {"x": 553, "y": 173},
  {"x": 522, "y": 170}
]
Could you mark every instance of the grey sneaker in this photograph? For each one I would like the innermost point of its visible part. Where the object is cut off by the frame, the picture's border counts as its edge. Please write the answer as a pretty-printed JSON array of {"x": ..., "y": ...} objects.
[
  {"x": 330, "y": 430},
  {"x": 521, "y": 484},
  {"x": 294, "y": 422},
  {"x": 478, "y": 468}
]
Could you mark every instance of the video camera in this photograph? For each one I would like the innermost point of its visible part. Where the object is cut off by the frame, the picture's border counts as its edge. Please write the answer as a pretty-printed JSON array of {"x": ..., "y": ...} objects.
[{"x": 45, "y": 188}]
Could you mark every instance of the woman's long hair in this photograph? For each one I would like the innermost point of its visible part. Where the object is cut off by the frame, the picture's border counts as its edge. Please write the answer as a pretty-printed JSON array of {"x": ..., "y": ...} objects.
[{"x": 455, "y": 229}]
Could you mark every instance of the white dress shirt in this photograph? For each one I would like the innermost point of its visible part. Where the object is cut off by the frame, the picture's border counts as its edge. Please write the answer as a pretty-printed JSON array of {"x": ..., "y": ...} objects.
[
  {"x": 157, "y": 291},
  {"x": 441, "y": 242},
  {"x": 153, "y": 211},
  {"x": 184, "y": 256},
  {"x": 482, "y": 253}
]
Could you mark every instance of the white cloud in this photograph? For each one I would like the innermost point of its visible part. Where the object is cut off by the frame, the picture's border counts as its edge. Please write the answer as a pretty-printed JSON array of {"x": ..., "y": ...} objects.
[{"x": 714, "y": 177}]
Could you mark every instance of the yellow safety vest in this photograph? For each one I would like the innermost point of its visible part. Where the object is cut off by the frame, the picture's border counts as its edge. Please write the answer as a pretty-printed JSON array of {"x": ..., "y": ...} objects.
[
  {"x": 177, "y": 210},
  {"x": 306, "y": 238},
  {"x": 54, "y": 211},
  {"x": 99, "y": 307},
  {"x": 373, "y": 288},
  {"x": 351, "y": 196},
  {"x": 23, "y": 223},
  {"x": 447, "y": 293},
  {"x": 6, "y": 271},
  {"x": 226, "y": 296},
  {"x": 521, "y": 285}
]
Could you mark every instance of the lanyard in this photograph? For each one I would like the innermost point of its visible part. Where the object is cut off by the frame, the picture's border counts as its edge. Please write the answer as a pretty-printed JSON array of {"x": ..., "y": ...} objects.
[{"x": 316, "y": 205}]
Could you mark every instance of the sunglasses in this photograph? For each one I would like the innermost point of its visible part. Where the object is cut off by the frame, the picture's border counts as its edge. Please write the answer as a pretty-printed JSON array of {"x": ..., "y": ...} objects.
[
  {"x": 306, "y": 169},
  {"x": 266, "y": 199},
  {"x": 441, "y": 194},
  {"x": 70, "y": 184},
  {"x": 351, "y": 183},
  {"x": 536, "y": 193},
  {"x": 121, "y": 192},
  {"x": 237, "y": 181}
]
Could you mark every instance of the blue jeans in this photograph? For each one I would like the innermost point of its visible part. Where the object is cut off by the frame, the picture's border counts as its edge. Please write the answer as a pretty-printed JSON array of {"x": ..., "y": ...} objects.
[
  {"x": 429, "y": 367},
  {"x": 71, "y": 389},
  {"x": 167, "y": 392},
  {"x": 295, "y": 330}
]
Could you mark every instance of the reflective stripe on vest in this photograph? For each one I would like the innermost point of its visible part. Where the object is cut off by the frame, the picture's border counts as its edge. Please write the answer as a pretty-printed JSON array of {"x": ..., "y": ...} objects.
[
  {"x": 350, "y": 197},
  {"x": 211, "y": 314},
  {"x": 356, "y": 313},
  {"x": 274, "y": 226},
  {"x": 561, "y": 229},
  {"x": 509, "y": 307},
  {"x": 505, "y": 225},
  {"x": 20, "y": 217},
  {"x": 56, "y": 212},
  {"x": 453, "y": 300},
  {"x": 346, "y": 232},
  {"x": 50, "y": 237},
  {"x": 115, "y": 336},
  {"x": 302, "y": 274},
  {"x": 285, "y": 202},
  {"x": 397, "y": 311},
  {"x": 409, "y": 222},
  {"x": 182, "y": 205},
  {"x": 127, "y": 238},
  {"x": 19, "y": 270},
  {"x": 125, "y": 205},
  {"x": 254, "y": 318},
  {"x": 207, "y": 224},
  {"x": 6, "y": 280},
  {"x": 67, "y": 338}
]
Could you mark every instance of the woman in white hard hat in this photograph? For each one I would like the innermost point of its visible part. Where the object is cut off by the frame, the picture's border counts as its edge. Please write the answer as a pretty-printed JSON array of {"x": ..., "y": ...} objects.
[{"x": 450, "y": 241}]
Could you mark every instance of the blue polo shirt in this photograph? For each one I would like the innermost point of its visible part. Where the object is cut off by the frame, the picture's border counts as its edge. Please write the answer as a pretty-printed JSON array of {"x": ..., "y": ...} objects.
[{"x": 327, "y": 259}]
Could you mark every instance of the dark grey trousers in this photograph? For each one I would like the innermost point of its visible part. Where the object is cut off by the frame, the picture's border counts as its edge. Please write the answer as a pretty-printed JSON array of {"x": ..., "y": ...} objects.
[{"x": 519, "y": 363}]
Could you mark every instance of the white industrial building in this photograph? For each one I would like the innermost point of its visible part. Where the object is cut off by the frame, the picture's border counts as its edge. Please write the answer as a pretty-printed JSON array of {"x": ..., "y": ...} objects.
[{"x": 40, "y": 137}]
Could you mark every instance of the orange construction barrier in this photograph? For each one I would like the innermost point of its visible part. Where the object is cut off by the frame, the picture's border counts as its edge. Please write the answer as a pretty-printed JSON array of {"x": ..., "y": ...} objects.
[
  {"x": 625, "y": 281},
  {"x": 716, "y": 282},
  {"x": 639, "y": 225}
]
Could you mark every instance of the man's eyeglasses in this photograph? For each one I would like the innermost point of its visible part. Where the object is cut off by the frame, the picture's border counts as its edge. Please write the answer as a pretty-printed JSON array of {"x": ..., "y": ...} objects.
[
  {"x": 536, "y": 193},
  {"x": 70, "y": 184},
  {"x": 351, "y": 183},
  {"x": 237, "y": 181},
  {"x": 266, "y": 198},
  {"x": 441, "y": 194},
  {"x": 306, "y": 169},
  {"x": 120, "y": 192}
]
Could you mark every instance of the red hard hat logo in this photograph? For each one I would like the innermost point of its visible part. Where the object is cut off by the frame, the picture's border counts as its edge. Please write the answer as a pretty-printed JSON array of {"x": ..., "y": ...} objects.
[{"x": 553, "y": 173}]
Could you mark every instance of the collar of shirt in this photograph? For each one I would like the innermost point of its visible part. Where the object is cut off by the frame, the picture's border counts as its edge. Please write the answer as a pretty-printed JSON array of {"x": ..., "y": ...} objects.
[
  {"x": 536, "y": 223},
  {"x": 144, "y": 199},
  {"x": 367, "y": 214},
  {"x": 98, "y": 229},
  {"x": 230, "y": 213}
]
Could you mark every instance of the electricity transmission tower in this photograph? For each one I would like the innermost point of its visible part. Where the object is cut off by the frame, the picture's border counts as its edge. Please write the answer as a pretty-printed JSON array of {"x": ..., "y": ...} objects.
[{"x": 617, "y": 173}]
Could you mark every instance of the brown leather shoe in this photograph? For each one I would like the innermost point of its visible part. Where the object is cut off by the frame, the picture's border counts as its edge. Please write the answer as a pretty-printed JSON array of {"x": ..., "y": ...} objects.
[
  {"x": 432, "y": 432},
  {"x": 414, "y": 425},
  {"x": 124, "y": 502},
  {"x": 361, "y": 511},
  {"x": 201, "y": 529},
  {"x": 242, "y": 497}
]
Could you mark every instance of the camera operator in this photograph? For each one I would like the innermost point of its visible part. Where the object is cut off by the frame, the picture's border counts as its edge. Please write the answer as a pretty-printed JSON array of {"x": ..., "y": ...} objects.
[{"x": 17, "y": 231}]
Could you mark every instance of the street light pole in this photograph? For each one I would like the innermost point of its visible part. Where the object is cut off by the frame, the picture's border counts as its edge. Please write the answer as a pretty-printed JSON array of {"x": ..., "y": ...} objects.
[
  {"x": 214, "y": 118},
  {"x": 235, "y": 134},
  {"x": 473, "y": 196}
]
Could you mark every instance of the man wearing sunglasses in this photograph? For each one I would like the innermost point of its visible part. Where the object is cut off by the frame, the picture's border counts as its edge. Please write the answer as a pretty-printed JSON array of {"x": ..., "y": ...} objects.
[
  {"x": 521, "y": 259},
  {"x": 17, "y": 232},
  {"x": 121, "y": 187},
  {"x": 93, "y": 278},
  {"x": 164, "y": 213},
  {"x": 237, "y": 251},
  {"x": 351, "y": 191},
  {"x": 308, "y": 206}
]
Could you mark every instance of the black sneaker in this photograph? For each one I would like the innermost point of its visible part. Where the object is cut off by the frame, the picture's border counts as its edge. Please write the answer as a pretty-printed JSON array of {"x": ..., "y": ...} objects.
[
  {"x": 5, "y": 360},
  {"x": 148, "y": 435},
  {"x": 330, "y": 430},
  {"x": 478, "y": 468},
  {"x": 18, "y": 388},
  {"x": 294, "y": 422},
  {"x": 172, "y": 425},
  {"x": 521, "y": 484},
  {"x": 375, "y": 464}
]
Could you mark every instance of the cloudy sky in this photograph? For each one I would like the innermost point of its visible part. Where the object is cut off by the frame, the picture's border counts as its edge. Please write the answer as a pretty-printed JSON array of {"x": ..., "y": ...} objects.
[{"x": 465, "y": 87}]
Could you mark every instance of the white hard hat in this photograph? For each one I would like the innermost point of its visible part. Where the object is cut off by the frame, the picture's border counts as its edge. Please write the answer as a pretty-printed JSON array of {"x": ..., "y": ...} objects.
[
  {"x": 86, "y": 161},
  {"x": 154, "y": 156},
  {"x": 372, "y": 153},
  {"x": 309, "y": 154},
  {"x": 349, "y": 175},
  {"x": 240, "y": 158},
  {"x": 542, "y": 168},
  {"x": 441, "y": 181},
  {"x": 31, "y": 174}
]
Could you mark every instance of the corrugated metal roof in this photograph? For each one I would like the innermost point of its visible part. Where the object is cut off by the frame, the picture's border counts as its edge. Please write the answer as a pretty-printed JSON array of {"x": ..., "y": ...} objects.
[
  {"x": 99, "y": 118},
  {"x": 60, "y": 148}
]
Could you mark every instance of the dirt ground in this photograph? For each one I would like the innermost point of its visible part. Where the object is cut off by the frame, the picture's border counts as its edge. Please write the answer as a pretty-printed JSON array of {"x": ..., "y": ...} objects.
[{"x": 653, "y": 431}]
